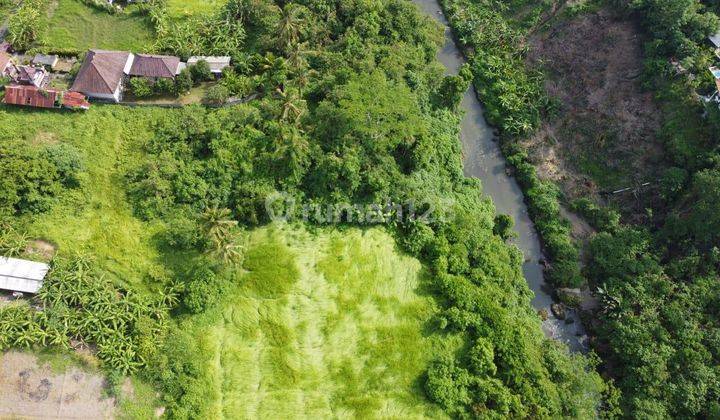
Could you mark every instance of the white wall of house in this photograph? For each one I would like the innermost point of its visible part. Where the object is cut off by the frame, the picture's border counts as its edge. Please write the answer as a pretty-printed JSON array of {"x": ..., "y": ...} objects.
[
  {"x": 129, "y": 63},
  {"x": 115, "y": 97}
]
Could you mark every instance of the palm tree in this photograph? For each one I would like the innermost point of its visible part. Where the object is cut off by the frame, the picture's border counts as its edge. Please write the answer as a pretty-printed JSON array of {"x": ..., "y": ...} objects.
[
  {"x": 292, "y": 106},
  {"x": 290, "y": 27},
  {"x": 218, "y": 224},
  {"x": 230, "y": 251}
]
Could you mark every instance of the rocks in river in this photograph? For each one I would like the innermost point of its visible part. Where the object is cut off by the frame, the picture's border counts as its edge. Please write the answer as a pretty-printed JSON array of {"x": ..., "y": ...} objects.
[
  {"x": 543, "y": 313},
  {"x": 569, "y": 321},
  {"x": 570, "y": 297},
  {"x": 558, "y": 309}
]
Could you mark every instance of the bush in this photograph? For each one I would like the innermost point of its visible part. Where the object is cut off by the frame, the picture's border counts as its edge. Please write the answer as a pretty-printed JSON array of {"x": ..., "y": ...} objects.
[
  {"x": 183, "y": 82},
  {"x": 25, "y": 25},
  {"x": 67, "y": 160},
  {"x": 217, "y": 94},
  {"x": 140, "y": 87},
  {"x": 163, "y": 86},
  {"x": 201, "y": 72}
]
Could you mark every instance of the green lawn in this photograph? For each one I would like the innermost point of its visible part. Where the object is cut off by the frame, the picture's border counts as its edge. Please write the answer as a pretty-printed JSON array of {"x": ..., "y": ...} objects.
[
  {"x": 322, "y": 325},
  {"x": 186, "y": 8},
  {"x": 96, "y": 217},
  {"x": 75, "y": 25}
]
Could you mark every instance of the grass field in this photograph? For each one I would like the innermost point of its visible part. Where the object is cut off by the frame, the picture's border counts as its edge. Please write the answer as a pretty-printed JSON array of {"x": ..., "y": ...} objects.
[
  {"x": 185, "y": 8},
  {"x": 99, "y": 219},
  {"x": 75, "y": 25},
  {"x": 322, "y": 325}
]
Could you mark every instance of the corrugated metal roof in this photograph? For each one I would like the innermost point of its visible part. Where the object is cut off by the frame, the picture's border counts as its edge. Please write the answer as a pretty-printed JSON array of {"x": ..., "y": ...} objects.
[
  {"x": 22, "y": 275},
  {"x": 216, "y": 63},
  {"x": 30, "y": 96},
  {"x": 715, "y": 39}
]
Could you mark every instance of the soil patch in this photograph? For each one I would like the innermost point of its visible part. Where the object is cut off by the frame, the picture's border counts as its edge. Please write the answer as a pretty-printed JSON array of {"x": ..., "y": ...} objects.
[
  {"x": 605, "y": 134},
  {"x": 30, "y": 390}
]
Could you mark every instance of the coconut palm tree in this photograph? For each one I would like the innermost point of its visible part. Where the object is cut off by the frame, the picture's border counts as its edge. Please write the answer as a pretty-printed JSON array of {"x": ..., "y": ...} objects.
[
  {"x": 292, "y": 106},
  {"x": 290, "y": 27},
  {"x": 218, "y": 224}
]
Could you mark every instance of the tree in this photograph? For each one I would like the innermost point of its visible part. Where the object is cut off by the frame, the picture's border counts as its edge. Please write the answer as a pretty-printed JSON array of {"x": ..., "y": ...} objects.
[
  {"x": 292, "y": 106},
  {"x": 217, "y": 94},
  {"x": 290, "y": 27},
  {"x": 25, "y": 25},
  {"x": 140, "y": 87},
  {"x": 201, "y": 72},
  {"x": 218, "y": 225},
  {"x": 183, "y": 82}
]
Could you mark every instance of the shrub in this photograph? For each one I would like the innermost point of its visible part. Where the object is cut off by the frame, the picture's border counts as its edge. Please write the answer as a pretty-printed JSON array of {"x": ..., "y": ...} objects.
[
  {"x": 163, "y": 86},
  {"x": 201, "y": 72},
  {"x": 183, "y": 82},
  {"x": 217, "y": 94},
  {"x": 67, "y": 160},
  {"x": 140, "y": 87}
]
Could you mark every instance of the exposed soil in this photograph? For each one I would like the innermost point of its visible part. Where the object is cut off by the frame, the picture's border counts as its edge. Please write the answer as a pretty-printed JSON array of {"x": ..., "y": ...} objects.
[
  {"x": 40, "y": 249},
  {"x": 605, "y": 134},
  {"x": 33, "y": 391}
]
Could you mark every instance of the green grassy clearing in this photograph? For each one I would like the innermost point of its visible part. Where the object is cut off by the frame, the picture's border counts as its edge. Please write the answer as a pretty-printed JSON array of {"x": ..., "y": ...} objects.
[
  {"x": 322, "y": 325},
  {"x": 75, "y": 25},
  {"x": 97, "y": 216},
  {"x": 186, "y": 8}
]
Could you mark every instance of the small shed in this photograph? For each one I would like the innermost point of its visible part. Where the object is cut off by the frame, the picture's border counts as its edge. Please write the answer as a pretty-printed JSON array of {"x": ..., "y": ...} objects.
[
  {"x": 22, "y": 275},
  {"x": 45, "y": 60},
  {"x": 217, "y": 64},
  {"x": 31, "y": 96}
]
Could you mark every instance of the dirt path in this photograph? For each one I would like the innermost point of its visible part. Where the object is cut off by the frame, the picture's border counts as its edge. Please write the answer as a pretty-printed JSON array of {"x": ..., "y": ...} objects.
[{"x": 30, "y": 390}]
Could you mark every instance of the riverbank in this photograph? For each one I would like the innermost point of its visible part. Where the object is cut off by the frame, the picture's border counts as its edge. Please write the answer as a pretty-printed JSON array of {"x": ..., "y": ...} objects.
[{"x": 484, "y": 160}]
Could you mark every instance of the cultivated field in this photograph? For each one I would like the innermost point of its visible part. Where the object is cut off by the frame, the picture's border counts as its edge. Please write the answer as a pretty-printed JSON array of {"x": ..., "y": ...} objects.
[{"x": 322, "y": 325}]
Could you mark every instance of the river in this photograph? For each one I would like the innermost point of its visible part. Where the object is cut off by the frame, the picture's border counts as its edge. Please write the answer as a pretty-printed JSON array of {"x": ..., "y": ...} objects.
[{"x": 483, "y": 159}]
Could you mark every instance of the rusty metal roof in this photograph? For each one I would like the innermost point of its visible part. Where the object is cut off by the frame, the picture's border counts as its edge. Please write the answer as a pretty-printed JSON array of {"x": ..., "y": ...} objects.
[{"x": 30, "y": 96}]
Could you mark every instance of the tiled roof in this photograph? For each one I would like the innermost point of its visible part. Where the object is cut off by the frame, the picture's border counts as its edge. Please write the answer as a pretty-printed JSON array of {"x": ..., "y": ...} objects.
[
  {"x": 75, "y": 100},
  {"x": 146, "y": 65},
  {"x": 101, "y": 72}
]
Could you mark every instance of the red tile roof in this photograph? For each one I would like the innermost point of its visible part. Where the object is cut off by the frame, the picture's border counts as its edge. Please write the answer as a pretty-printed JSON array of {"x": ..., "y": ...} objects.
[
  {"x": 75, "y": 100},
  {"x": 101, "y": 72},
  {"x": 30, "y": 96},
  {"x": 146, "y": 65}
]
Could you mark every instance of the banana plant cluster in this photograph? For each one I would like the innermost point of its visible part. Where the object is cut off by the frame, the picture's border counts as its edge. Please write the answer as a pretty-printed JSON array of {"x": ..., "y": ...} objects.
[{"x": 78, "y": 305}]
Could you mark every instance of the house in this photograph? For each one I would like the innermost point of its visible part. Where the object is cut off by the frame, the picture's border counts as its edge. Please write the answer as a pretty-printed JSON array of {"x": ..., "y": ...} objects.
[
  {"x": 39, "y": 98},
  {"x": 102, "y": 74},
  {"x": 21, "y": 275},
  {"x": 49, "y": 61},
  {"x": 156, "y": 66},
  {"x": 32, "y": 76},
  {"x": 217, "y": 64},
  {"x": 31, "y": 96}
]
